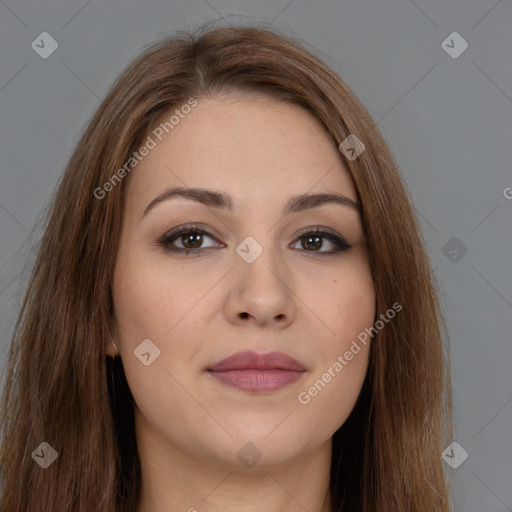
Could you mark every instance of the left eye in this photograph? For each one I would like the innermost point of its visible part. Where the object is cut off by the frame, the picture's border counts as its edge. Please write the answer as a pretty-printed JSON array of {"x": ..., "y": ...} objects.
[
  {"x": 192, "y": 239},
  {"x": 313, "y": 239}
]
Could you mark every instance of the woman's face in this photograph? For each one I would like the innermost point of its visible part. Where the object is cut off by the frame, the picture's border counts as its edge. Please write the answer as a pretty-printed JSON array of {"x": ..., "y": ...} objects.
[{"x": 254, "y": 281}]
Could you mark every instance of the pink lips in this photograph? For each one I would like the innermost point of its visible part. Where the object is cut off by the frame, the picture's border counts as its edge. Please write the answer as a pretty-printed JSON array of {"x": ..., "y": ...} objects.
[{"x": 255, "y": 372}]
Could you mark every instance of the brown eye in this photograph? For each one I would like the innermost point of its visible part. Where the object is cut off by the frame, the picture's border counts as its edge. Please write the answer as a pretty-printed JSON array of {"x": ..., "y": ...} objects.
[
  {"x": 312, "y": 241},
  {"x": 191, "y": 238}
]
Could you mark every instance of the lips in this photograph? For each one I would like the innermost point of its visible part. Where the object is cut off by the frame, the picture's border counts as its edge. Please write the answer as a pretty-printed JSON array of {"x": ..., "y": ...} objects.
[
  {"x": 250, "y": 371},
  {"x": 253, "y": 361}
]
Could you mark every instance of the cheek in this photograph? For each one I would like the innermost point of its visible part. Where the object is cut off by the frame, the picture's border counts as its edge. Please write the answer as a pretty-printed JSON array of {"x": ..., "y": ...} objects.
[
  {"x": 151, "y": 300},
  {"x": 348, "y": 309},
  {"x": 356, "y": 310},
  {"x": 140, "y": 310},
  {"x": 347, "y": 304},
  {"x": 161, "y": 304},
  {"x": 151, "y": 304}
]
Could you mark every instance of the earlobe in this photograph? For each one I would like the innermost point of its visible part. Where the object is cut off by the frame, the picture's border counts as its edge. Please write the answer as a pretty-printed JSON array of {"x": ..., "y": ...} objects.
[{"x": 109, "y": 352}]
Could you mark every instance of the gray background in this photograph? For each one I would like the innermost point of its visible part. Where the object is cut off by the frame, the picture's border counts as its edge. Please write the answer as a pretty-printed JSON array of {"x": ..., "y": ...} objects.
[{"x": 448, "y": 121}]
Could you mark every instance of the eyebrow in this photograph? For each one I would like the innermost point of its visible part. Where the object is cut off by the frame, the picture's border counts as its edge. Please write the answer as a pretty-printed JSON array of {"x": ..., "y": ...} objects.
[{"x": 214, "y": 199}]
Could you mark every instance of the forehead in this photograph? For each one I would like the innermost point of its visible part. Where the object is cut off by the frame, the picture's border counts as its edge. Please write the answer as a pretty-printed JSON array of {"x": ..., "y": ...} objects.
[{"x": 252, "y": 148}]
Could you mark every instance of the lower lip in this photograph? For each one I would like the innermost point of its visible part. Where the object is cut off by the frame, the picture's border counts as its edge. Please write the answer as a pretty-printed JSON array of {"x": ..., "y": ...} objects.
[{"x": 257, "y": 380}]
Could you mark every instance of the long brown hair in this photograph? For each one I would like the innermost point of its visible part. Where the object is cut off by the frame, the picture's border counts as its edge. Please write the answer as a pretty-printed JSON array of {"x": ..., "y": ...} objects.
[{"x": 60, "y": 388}]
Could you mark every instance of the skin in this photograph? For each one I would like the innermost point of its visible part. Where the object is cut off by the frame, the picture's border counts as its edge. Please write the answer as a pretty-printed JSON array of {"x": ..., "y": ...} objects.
[{"x": 189, "y": 426}]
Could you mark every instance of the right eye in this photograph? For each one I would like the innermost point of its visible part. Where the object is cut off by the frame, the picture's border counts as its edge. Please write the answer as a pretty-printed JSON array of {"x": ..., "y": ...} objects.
[{"x": 191, "y": 237}]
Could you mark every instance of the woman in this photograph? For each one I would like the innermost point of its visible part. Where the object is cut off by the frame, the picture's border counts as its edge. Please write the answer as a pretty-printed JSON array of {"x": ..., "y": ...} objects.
[{"x": 232, "y": 306}]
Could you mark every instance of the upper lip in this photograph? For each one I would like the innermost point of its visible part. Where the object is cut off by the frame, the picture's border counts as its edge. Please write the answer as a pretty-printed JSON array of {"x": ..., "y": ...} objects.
[{"x": 253, "y": 360}]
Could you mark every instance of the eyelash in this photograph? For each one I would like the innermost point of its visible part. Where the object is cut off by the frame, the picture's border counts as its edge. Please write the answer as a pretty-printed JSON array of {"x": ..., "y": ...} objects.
[{"x": 165, "y": 241}]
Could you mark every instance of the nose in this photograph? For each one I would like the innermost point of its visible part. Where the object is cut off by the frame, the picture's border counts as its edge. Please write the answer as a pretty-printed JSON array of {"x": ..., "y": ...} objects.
[{"x": 261, "y": 292}]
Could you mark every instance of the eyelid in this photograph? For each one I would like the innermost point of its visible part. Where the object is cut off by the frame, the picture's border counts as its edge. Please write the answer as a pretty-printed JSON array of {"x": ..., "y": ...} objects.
[{"x": 309, "y": 229}]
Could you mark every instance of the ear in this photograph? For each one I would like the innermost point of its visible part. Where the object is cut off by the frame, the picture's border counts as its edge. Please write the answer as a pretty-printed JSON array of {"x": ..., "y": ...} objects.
[{"x": 110, "y": 347}]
